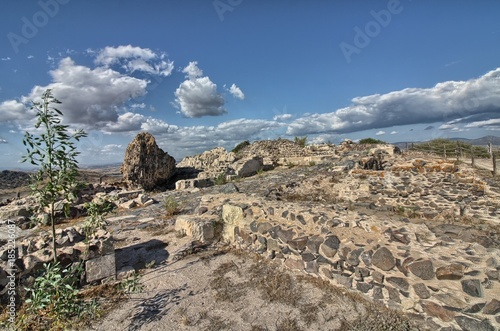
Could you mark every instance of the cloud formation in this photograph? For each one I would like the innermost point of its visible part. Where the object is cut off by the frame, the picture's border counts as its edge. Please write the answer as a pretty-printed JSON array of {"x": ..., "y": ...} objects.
[
  {"x": 197, "y": 96},
  {"x": 443, "y": 102},
  {"x": 492, "y": 124},
  {"x": 13, "y": 110},
  {"x": 236, "y": 92},
  {"x": 134, "y": 59}
]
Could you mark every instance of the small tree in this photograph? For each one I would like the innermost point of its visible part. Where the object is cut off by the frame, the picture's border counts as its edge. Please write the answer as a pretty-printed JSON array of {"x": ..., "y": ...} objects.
[
  {"x": 240, "y": 146},
  {"x": 301, "y": 141},
  {"x": 54, "y": 153}
]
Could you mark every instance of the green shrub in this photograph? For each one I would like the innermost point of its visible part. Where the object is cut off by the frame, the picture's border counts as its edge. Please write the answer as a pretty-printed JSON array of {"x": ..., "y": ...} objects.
[
  {"x": 132, "y": 284},
  {"x": 370, "y": 141},
  {"x": 240, "y": 146},
  {"x": 95, "y": 219},
  {"x": 220, "y": 179},
  {"x": 301, "y": 141},
  {"x": 54, "y": 301},
  {"x": 172, "y": 207}
]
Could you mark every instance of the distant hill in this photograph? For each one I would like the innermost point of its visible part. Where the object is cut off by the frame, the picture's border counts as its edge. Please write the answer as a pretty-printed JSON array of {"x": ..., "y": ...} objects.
[
  {"x": 480, "y": 141},
  {"x": 483, "y": 141}
]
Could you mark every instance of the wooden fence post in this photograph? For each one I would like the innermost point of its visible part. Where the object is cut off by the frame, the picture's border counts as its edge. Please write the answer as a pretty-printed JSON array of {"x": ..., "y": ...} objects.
[
  {"x": 494, "y": 157},
  {"x": 472, "y": 156}
]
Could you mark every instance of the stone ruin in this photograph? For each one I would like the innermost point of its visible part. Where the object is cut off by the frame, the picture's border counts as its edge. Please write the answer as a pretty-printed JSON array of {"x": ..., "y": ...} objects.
[{"x": 446, "y": 276}]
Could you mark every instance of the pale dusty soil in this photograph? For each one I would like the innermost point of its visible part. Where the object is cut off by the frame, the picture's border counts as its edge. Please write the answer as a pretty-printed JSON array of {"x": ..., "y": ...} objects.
[
  {"x": 207, "y": 292},
  {"x": 484, "y": 164}
]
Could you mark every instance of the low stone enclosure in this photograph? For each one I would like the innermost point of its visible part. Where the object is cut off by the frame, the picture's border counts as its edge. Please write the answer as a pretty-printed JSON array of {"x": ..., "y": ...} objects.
[
  {"x": 443, "y": 281},
  {"x": 32, "y": 247}
]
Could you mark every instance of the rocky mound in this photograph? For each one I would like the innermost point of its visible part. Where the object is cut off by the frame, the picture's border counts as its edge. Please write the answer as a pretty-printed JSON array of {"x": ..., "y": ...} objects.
[
  {"x": 213, "y": 161},
  {"x": 273, "y": 149},
  {"x": 145, "y": 164},
  {"x": 13, "y": 179}
]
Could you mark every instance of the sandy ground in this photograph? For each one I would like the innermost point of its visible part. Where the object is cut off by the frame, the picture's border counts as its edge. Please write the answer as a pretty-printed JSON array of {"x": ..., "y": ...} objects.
[{"x": 210, "y": 290}]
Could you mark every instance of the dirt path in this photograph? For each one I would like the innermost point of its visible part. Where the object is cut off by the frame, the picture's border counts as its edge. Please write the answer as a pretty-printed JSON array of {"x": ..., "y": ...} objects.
[{"x": 483, "y": 164}]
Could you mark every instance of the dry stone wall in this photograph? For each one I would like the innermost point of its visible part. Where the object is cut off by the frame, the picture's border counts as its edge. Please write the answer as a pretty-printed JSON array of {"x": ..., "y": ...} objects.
[{"x": 447, "y": 283}]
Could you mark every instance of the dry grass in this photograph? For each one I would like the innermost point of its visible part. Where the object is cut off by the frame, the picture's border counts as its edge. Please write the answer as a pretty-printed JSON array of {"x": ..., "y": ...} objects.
[
  {"x": 216, "y": 323},
  {"x": 288, "y": 324}
]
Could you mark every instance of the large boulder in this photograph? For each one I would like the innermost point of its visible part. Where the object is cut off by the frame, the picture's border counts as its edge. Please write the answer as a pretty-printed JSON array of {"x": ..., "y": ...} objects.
[{"x": 145, "y": 164}]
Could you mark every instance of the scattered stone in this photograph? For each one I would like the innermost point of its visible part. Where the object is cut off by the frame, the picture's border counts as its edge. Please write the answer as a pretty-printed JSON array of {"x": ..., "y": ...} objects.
[
  {"x": 435, "y": 310},
  {"x": 472, "y": 287},
  {"x": 470, "y": 324},
  {"x": 298, "y": 244},
  {"x": 330, "y": 246},
  {"x": 383, "y": 259},
  {"x": 343, "y": 280},
  {"x": 492, "y": 307},
  {"x": 451, "y": 301},
  {"x": 229, "y": 188},
  {"x": 399, "y": 282},
  {"x": 393, "y": 294},
  {"x": 475, "y": 308},
  {"x": 100, "y": 268},
  {"x": 377, "y": 276},
  {"x": 377, "y": 293},
  {"x": 422, "y": 269},
  {"x": 452, "y": 272},
  {"x": 128, "y": 204},
  {"x": 313, "y": 243},
  {"x": 364, "y": 287},
  {"x": 285, "y": 235},
  {"x": 294, "y": 264},
  {"x": 199, "y": 229},
  {"x": 353, "y": 257},
  {"x": 421, "y": 290}
]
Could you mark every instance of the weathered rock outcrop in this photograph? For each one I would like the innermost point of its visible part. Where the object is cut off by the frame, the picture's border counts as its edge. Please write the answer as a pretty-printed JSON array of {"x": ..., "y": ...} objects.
[{"x": 145, "y": 164}]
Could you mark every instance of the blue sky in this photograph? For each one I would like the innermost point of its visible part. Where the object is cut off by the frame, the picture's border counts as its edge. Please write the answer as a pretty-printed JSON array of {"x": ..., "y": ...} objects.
[{"x": 201, "y": 74}]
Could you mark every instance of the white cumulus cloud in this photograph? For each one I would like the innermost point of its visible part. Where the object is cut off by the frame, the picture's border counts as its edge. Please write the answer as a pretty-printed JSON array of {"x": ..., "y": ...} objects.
[
  {"x": 380, "y": 133},
  {"x": 197, "y": 96},
  {"x": 13, "y": 110},
  {"x": 236, "y": 92},
  {"x": 283, "y": 117},
  {"x": 441, "y": 103},
  {"x": 192, "y": 70},
  {"x": 126, "y": 122},
  {"x": 134, "y": 59}
]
